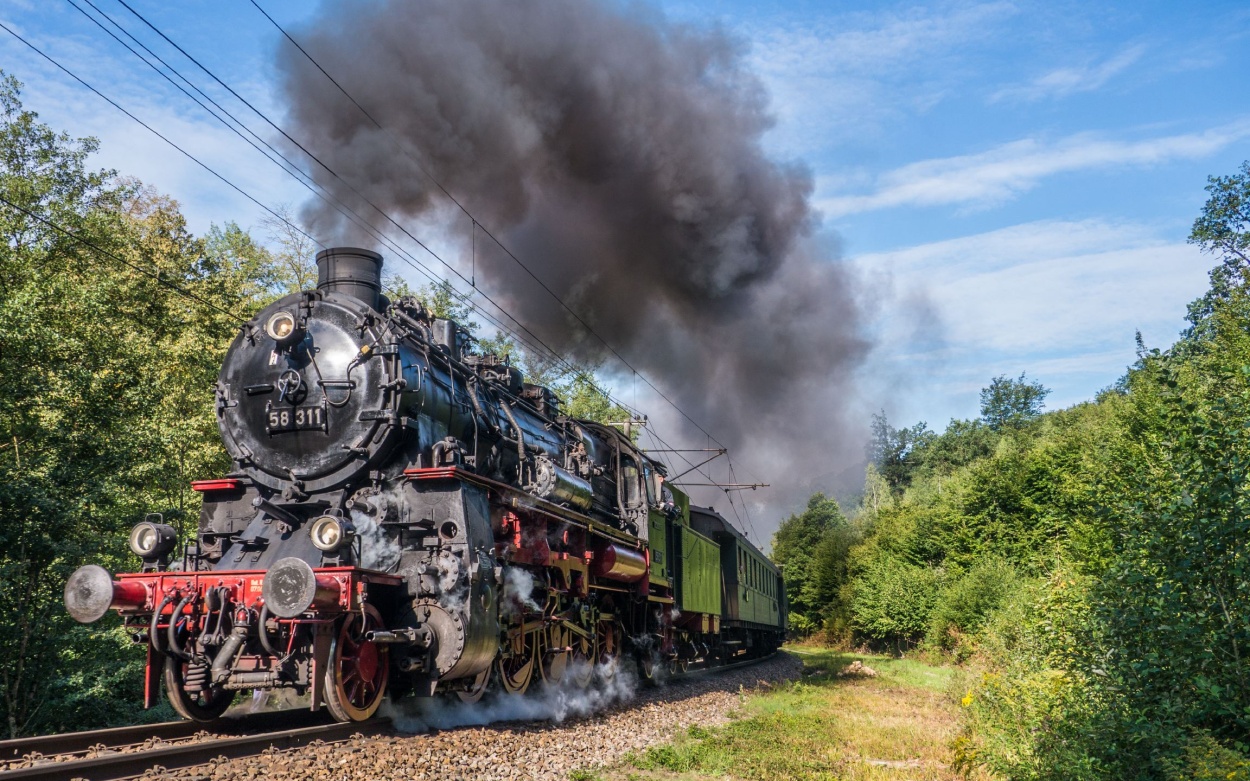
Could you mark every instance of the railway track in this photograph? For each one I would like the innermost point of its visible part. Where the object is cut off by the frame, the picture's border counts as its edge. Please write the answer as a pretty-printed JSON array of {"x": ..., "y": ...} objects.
[
  {"x": 109, "y": 754},
  {"x": 125, "y": 752}
]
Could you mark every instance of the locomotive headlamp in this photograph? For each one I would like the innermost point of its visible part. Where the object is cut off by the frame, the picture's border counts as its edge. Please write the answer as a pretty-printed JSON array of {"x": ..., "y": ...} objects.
[
  {"x": 329, "y": 533},
  {"x": 283, "y": 329},
  {"x": 152, "y": 540}
]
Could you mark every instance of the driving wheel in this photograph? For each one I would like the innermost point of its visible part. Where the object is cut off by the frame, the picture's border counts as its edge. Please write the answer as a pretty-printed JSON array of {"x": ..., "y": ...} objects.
[
  {"x": 356, "y": 677},
  {"x": 476, "y": 689},
  {"x": 516, "y": 664},
  {"x": 555, "y": 657}
]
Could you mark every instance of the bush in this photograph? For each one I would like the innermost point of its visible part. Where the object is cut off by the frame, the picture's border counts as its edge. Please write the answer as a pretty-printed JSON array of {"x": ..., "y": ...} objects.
[
  {"x": 1206, "y": 759},
  {"x": 964, "y": 604},
  {"x": 1027, "y": 711},
  {"x": 892, "y": 601}
]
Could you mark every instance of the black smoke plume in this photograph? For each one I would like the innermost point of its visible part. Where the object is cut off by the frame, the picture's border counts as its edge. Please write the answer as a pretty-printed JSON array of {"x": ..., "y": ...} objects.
[{"x": 619, "y": 156}]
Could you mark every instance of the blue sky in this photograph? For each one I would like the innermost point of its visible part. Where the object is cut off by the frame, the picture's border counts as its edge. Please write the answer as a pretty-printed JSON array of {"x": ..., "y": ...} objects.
[{"x": 1023, "y": 174}]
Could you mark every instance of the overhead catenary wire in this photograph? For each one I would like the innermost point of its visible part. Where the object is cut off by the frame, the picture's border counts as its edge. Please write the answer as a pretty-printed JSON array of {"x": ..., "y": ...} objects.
[
  {"x": 294, "y": 171},
  {"x": 479, "y": 225},
  {"x": 148, "y": 127}
]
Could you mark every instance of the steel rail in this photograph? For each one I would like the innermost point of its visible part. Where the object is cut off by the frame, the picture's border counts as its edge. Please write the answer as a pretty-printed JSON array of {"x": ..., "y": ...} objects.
[
  {"x": 118, "y": 763},
  {"x": 695, "y": 673},
  {"x": 121, "y": 737},
  {"x": 112, "y": 766}
]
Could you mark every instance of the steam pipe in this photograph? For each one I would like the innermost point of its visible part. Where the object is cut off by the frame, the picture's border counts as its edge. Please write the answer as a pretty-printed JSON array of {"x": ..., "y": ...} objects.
[
  {"x": 264, "y": 633},
  {"x": 520, "y": 440},
  {"x": 154, "y": 632},
  {"x": 222, "y": 661},
  {"x": 171, "y": 630}
]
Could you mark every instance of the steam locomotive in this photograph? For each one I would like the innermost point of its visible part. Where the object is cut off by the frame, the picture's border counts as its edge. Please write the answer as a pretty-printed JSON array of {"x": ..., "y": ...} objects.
[{"x": 408, "y": 517}]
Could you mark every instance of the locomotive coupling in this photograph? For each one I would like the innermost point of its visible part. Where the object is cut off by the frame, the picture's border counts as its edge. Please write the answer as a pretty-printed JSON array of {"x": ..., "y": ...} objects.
[{"x": 91, "y": 591}]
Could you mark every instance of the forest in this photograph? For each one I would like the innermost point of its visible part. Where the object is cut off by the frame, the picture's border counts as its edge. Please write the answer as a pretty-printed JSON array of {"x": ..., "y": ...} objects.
[{"x": 1086, "y": 568}]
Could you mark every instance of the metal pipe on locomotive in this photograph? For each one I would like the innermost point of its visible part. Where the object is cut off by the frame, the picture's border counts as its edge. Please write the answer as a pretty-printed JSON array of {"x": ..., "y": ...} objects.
[{"x": 408, "y": 517}]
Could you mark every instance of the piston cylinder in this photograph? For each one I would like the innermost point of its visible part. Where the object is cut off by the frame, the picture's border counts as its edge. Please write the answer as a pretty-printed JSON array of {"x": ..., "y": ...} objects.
[{"x": 556, "y": 485}]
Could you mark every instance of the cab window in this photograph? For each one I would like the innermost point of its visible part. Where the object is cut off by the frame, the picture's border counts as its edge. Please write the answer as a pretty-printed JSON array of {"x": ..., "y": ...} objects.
[{"x": 630, "y": 492}]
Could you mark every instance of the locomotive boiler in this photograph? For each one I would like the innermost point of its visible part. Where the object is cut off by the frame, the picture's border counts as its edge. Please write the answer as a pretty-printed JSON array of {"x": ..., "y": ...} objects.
[{"x": 406, "y": 516}]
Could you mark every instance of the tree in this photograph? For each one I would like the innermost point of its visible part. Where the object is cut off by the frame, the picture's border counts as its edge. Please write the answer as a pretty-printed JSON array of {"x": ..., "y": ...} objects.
[
  {"x": 297, "y": 267},
  {"x": 1223, "y": 230},
  {"x": 802, "y": 547},
  {"x": 1009, "y": 403},
  {"x": 897, "y": 453},
  {"x": 106, "y": 408},
  {"x": 963, "y": 442}
]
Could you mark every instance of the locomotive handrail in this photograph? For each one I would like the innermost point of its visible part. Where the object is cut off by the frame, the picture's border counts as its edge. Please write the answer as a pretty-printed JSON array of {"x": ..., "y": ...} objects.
[{"x": 531, "y": 502}]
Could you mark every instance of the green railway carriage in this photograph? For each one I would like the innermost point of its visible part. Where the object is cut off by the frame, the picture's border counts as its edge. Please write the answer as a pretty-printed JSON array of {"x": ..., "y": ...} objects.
[{"x": 752, "y": 599}]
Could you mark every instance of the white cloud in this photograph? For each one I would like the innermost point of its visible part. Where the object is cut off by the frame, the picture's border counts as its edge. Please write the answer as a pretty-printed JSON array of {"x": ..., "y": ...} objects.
[
  {"x": 1062, "y": 82},
  {"x": 834, "y": 78},
  {"x": 1005, "y": 171},
  {"x": 1060, "y": 300}
]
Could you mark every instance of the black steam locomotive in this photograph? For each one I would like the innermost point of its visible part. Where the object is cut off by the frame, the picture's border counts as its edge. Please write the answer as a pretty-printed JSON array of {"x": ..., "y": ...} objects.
[{"x": 408, "y": 517}]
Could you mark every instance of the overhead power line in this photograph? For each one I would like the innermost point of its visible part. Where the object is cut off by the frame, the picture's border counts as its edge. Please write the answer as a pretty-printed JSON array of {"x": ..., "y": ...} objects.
[
  {"x": 478, "y": 224},
  {"x": 148, "y": 127},
  {"x": 295, "y": 173}
]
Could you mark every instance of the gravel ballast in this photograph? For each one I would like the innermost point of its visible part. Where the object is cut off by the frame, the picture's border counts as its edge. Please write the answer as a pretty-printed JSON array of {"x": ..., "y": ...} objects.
[{"x": 555, "y": 740}]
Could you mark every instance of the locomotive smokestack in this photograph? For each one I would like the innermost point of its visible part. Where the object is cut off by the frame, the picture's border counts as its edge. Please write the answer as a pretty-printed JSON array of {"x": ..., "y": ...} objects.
[{"x": 350, "y": 271}]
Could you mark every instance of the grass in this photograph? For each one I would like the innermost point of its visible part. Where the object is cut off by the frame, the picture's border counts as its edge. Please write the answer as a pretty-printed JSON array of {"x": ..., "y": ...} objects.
[{"x": 897, "y": 725}]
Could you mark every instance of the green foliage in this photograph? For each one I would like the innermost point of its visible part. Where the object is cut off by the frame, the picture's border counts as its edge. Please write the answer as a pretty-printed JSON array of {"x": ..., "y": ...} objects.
[
  {"x": 105, "y": 409},
  {"x": 1088, "y": 565},
  {"x": 812, "y": 550},
  {"x": 897, "y": 453},
  {"x": 966, "y": 602},
  {"x": 892, "y": 600},
  {"x": 962, "y": 443},
  {"x": 1223, "y": 230},
  {"x": 1009, "y": 403},
  {"x": 1203, "y": 758},
  {"x": 1027, "y": 713},
  {"x": 1131, "y": 661},
  {"x": 440, "y": 299}
]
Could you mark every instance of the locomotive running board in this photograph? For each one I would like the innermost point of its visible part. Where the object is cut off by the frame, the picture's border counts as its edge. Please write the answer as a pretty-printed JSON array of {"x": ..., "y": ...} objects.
[{"x": 519, "y": 499}]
